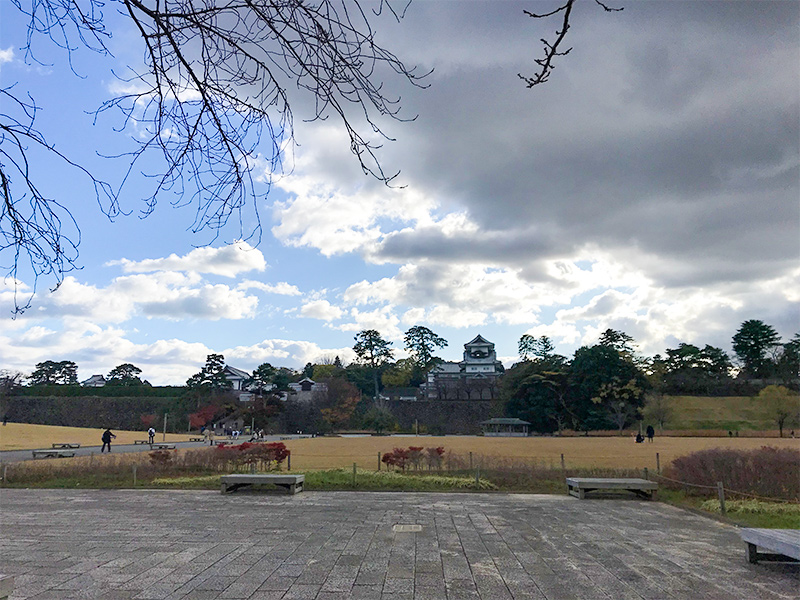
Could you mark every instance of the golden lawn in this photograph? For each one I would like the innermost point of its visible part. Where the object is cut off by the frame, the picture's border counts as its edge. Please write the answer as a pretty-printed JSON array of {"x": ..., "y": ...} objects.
[{"x": 324, "y": 452}]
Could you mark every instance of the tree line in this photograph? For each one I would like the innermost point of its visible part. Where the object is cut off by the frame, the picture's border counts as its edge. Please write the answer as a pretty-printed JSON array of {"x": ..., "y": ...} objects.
[{"x": 601, "y": 386}]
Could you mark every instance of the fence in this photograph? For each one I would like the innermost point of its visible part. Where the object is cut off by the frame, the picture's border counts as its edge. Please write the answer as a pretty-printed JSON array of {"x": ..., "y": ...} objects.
[{"x": 509, "y": 472}]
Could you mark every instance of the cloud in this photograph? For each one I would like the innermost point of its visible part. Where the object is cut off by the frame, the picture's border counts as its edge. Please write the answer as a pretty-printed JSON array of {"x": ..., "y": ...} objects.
[
  {"x": 281, "y": 288},
  {"x": 227, "y": 261},
  {"x": 166, "y": 295},
  {"x": 163, "y": 362},
  {"x": 320, "y": 309},
  {"x": 281, "y": 352},
  {"x": 6, "y": 55}
]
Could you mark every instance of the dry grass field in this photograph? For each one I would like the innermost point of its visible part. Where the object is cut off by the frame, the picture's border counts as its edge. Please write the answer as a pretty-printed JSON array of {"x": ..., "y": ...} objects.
[
  {"x": 24, "y": 436},
  {"x": 621, "y": 452},
  {"x": 324, "y": 452}
]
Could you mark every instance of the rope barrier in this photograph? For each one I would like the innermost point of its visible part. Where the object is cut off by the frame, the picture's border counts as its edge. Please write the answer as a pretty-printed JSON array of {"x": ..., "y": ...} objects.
[
  {"x": 553, "y": 459},
  {"x": 728, "y": 490}
]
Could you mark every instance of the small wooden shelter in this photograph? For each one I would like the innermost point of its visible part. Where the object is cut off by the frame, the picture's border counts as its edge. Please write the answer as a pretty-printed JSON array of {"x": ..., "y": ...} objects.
[{"x": 505, "y": 427}]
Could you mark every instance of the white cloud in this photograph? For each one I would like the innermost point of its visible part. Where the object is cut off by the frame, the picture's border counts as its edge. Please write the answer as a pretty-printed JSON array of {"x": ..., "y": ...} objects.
[
  {"x": 7, "y": 55},
  {"x": 163, "y": 294},
  {"x": 280, "y": 352},
  {"x": 281, "y": 288},
  {"x": 320, "y": 309},
  {"x": 227, "y": 261}
]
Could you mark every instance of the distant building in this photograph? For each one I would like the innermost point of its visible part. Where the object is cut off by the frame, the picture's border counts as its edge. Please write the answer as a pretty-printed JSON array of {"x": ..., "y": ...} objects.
[
  {"x": 237, "y": 377},
  {"x": 473, "y": 378},
  {"x": 94, "y": 381},
  {"x": 306, "y": 389}
]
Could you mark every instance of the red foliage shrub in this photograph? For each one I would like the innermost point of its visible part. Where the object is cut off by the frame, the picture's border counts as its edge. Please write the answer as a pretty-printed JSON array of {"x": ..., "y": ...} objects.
[
  {"x": 269, "y": 455},
  {"x": 413, "y": 456},
  {"x": 768, "y": 471},
  {"x": 397, "y": 458},
  {"x": 147, "y": 420}
]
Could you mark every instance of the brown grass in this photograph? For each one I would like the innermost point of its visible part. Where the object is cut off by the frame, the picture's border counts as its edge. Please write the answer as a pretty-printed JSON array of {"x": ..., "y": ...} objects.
[
  {"x": 586, "y": 452},
  {"x": 24, "y": 436},
  {"x": 335, "y": 452}
]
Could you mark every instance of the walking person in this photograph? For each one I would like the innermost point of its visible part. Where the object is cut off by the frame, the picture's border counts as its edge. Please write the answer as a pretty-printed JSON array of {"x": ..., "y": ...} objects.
[
  {"x": 650, "y": 433},
  {"x": 107, "y": 435},
  {"x": 151, "y": 436}
]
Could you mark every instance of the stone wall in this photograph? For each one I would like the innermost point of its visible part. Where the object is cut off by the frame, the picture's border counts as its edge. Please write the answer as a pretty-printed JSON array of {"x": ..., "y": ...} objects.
[{"x": 445, "y": 416}]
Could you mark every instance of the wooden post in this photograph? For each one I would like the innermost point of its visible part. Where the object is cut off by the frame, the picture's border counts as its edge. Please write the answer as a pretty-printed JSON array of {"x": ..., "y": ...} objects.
[
  {"x": 658, "y": 464},
  {"x": 721, "y": 493},
  {"x": 134, "y": 475},
  {"x": 164, "y": 439},
  {"x": 379, "y": 461},
  {"x": 470, "y": 461},
  {"x": 563, "y": 465},
  {"x": 646, "y": 473},
  {"x": 354, "y": 474},
  {"x": 289, "y": 459}
]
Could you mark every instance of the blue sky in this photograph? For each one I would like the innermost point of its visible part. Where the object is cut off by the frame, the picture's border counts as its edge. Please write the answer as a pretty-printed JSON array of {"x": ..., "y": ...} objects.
[{"x": 651, "y": 186}]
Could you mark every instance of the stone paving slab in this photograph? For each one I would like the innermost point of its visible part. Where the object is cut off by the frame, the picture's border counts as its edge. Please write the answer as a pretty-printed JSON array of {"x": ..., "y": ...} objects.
[{"x": 184, "y": 545}]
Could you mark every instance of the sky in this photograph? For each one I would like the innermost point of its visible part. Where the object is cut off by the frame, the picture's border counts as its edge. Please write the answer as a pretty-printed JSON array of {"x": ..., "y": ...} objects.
[{"x": 651, "y": 186}]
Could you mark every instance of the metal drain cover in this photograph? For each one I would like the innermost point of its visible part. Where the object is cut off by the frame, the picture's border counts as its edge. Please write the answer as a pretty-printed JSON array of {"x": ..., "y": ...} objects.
[{"x": 406, "y": 528}]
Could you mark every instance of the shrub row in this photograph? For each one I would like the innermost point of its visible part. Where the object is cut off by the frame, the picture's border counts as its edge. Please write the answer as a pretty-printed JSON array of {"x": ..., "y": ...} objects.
[{"x": 768, "y": 472}]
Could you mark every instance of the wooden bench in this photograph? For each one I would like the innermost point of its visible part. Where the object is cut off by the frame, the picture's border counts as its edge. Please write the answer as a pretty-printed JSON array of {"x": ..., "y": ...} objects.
[
  {"x": 579, "y": 486},
  {"x": 197, "y": 439},
  {"x": 137, "y": 442},
  {"x": 53, "y": 453},
  {"x": 292, "y": 483},
  {"x": 783, "y": 544},
  {"x": 66, "y": 446},
  {"x": 6, "y": 586},
  {"x": 162, "y": 446}
]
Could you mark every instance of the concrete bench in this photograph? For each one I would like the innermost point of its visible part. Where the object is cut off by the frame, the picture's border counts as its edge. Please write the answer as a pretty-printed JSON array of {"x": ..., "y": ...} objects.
[
  {"x": 137, "y": 442},
  {"x": 579, "y": 486},
  {"x": 53, "y": 453},
  {"x": 197, "y": 439},
  {"x": 162, "y": 446},
  {"x": 783, "y": 544},
  {"x": 66, "y": 446},
  {"x": 292, "y": 483},
  {"x": 6, "y": 586}
]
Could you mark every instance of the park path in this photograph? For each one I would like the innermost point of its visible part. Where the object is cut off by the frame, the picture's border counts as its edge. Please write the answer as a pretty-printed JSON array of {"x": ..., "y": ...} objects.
[
  {"x": 201, "y": 545},
  {"x": 11, "y": 456}
]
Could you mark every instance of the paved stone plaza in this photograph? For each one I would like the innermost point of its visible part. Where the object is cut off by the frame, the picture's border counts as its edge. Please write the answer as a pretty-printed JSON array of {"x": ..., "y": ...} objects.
[{"x": 121, "y": 544}]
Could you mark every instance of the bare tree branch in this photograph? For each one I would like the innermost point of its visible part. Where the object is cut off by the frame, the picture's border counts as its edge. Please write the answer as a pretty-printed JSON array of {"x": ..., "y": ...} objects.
[
  {"x": 551, "y": 50},
  {"x": 213, "y": 102}
]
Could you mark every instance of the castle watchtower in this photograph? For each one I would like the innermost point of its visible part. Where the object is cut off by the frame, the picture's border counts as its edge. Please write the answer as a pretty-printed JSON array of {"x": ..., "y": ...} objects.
[{"x": 480, "y": 357}]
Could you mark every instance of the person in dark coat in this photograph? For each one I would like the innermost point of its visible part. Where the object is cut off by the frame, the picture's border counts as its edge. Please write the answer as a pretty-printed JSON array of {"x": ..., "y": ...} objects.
[
  {"x": 650, "y": 433},
  {"x": 107, "y": 435}
]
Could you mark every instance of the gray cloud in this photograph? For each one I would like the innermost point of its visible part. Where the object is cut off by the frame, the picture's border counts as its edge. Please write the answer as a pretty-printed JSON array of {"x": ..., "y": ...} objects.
[{"x": 670, "y": 130}]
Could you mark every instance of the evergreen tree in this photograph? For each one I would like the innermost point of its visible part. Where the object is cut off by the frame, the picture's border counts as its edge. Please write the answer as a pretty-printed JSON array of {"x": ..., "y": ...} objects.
[{"x": 753, "y": 343}]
